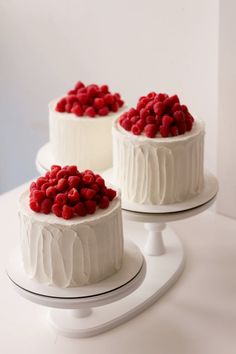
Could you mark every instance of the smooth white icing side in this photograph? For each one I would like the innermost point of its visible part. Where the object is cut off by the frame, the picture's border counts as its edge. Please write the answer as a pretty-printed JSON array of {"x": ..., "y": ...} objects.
[
  {"x": 82, "y": 141},
  {"x": 75, "y": 252},
  {"x": 158, "y": 170}
]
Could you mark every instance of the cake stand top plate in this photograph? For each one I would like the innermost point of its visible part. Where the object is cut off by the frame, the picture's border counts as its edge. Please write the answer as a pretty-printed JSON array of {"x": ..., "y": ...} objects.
[
  {"x": 133, "y": 262},
  {"x": 208, "y": 192}
]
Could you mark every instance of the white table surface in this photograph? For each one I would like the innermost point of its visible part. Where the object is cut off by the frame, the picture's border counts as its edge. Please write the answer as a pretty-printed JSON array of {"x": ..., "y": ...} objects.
[{"x": 196, "y": 316}]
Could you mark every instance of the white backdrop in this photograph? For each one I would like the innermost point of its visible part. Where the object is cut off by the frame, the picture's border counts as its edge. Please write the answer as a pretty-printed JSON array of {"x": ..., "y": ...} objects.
[{"x": 134, "y": 46}]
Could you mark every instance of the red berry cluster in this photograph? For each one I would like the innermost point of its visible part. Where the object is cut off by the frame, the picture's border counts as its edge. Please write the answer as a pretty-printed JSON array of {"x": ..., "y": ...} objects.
[
  {"x": 67, "y": 192},
  {"x": 157, "y": 112},
  {"x": 90, "y": 101}
]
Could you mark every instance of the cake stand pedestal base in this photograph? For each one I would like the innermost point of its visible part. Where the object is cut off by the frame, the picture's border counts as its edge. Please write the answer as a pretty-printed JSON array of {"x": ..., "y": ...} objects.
[{"x": 77, "y": 317}]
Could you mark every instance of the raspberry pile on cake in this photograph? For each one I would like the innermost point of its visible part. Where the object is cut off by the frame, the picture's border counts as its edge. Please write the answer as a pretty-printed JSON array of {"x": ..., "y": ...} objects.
[
  {"x": 67, "y": 192},
  {"x": 90, "y": 101},
  {"x": 157, "y": 115}
]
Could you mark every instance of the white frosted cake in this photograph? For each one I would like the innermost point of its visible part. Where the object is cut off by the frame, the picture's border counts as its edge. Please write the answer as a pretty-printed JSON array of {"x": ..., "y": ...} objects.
[
  {"x": 82, "y": 247},
  {"x": 158, "y": 160},
  {"x": 80, "y": 126}
]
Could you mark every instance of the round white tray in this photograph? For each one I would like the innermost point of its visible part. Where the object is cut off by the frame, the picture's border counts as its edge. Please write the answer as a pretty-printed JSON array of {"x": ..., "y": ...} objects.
[
  {"x": 77, "y": 320},
  {"x": 132, "y": 264},
  {"x": 209, "y": 191}
]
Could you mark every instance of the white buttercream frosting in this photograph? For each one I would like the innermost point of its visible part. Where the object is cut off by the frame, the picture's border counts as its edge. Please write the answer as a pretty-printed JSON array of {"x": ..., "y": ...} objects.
[
  {"x": 158, "y": 170},
  {"x": 75, "y": 252},
  {"x": 82, "y": 141}
]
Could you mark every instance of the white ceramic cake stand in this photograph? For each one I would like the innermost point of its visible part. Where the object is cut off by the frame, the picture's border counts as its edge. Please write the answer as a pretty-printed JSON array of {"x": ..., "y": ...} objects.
[
  {"x": 155, "y": 217},
  {"x": 72, "y": 314}
]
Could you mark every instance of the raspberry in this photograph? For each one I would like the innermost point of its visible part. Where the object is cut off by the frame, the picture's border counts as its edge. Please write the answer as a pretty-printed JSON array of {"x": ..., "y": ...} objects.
[
  {"x": 40, "y": 181},
  {"x": 60, "y": 106},
  {"x": 189, "y": 123},
  {"x": 159, "y": 108},
  {"x": 46, "y": 206},
  {"x": 174, "y": 130},
  {"x": 140, "y": 106},
  {"x": 104, "y": 202},
  {"x": 90, "y": 112},
  {"x": 150, "y": 119},
  {"x": 182, "y": 127},
  {"x": 38, "y": 196},
  {"x": 111, "y": 193},
  {"x": 90, "y": 172},
  {"x": 141, "y": 124},
  {"x": 80, "y": 209},
  {"x": 97, "y": 198},
  {"x": 91, "y": 206},
  {"x": 73, "y": 195},
  {"x": 151, "y": 95},
  {"x": 92, "y": 91},
  {"x": 132, "y": 112},
  {"x": 176, "y": 107},
  {"x": 126, "y": 124},
  {"x": 83, "y": 98},
  {"x": 72, "y": 170},
  {"x": 160, "y": 97},
  {"x": 71, "y": 92},
  {"x": 188, "y": 115},
  {"x": 35, "y": 206},
  {"x": 117, "y": 96},
  {"x": 170, "y": 101},
  {"x": 100, "y": 181},
  {"x": 33, "y": 186},
  {"x": 122, "y": 118},
  {"x": 72, "y": 99},
  {"x": 174, "y": 99},
  {"x": 134, "y": 119},
  {"x": 115, "y": 107},
  {"x": 178, "y": 116},
  {"x": 184, "y": 108},
  {"x": 164, "y": 131},
  {"x": 95, "y": 187},
  {"x": 54, "y": 170},
  {"x": 73, "y": 181},
  {"x": 158, "y": 120},
  {"x": 57, "y": 209},
  {"x": 103, "y": 191},
  {"x": 98, "y": 103},
  {"x": 62, "y": 184},
  {"x": 67, "y": 212},
  {"x": 45, "y": 186},
  {"x": 109, "y": 99},
  {"x": 103, "y": 111},
  {"x": 88, "y": 178},
  {"x": 167, "y": 120},
  {"x": 150, "y": 130},
  {"x": 68, "y": 107},
  {"x": 62, "y": 173},
  {"x": 87, "y": 193},
  {"x": 77, "y": 110},
  {"x": 51, "y": 192},
  {"x": 120, "y": 103},
  {"x": 79, "y": 85},
  {"x": 144, "y": 113},
  {"x": 61, "y": 198},
  {"x": 82, "y": 90},
  {"x": 149, "y": 105},
  {"x": 104, "y": 89},
  {"x": 136, "y": 130},
  {"x": 52, "y": 182}
]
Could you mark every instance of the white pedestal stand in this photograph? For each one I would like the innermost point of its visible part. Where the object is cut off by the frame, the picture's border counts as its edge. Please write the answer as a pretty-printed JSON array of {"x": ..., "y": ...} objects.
[
  {"x": 80, "y": 312},
  {"x": 163, "y": 253}
]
